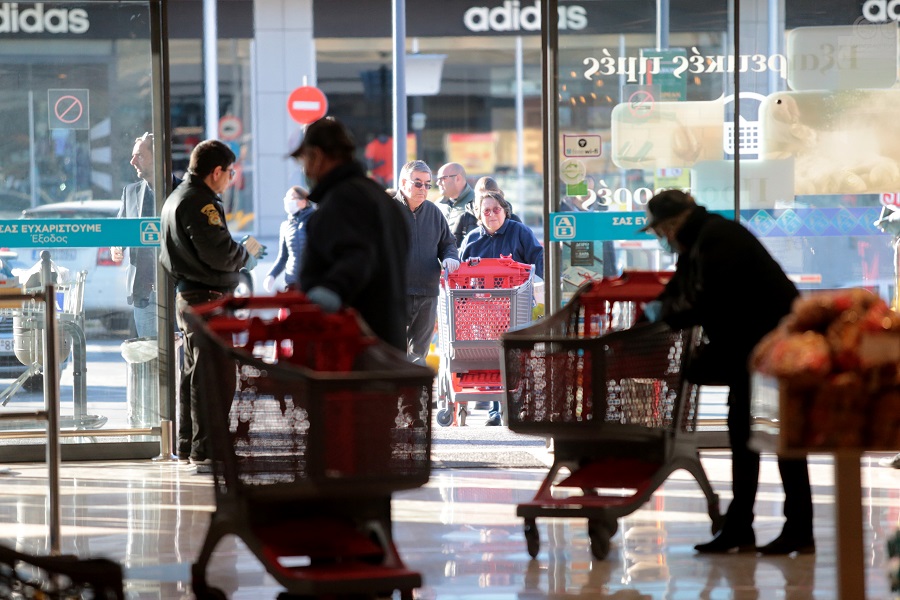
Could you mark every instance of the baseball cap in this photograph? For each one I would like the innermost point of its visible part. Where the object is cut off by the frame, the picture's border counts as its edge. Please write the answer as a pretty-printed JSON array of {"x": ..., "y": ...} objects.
[
  {"x": 666, "y": 205},
  {"x": 330, "y": 135}
]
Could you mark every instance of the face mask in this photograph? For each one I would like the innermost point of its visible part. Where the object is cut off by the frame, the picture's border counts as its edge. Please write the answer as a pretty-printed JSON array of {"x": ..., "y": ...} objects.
[
  {"x": 666, "y": 245},
  {"x": 291, "y": 205}
]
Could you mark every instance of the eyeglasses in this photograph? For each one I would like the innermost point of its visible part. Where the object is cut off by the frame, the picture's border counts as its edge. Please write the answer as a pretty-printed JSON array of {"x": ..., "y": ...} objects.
[
  {"x": 421, "y": 185},
  {"x": 496, "y": 210},
  {"x": 443, "y": 177}
]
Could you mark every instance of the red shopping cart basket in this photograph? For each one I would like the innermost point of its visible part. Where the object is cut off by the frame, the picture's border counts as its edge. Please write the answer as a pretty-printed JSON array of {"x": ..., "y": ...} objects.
[
  {"x": 477, "y": 304},
  {"x": 615, "y": 303},
  {"x": 621, "y": 413},
  {"x": 313, "y": 423}
]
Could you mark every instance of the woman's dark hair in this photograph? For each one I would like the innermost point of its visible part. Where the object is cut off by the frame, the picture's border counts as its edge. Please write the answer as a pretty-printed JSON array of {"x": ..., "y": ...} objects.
[
  {"x": 208, "y": 155},
  {"x": 496, "y": 195}
]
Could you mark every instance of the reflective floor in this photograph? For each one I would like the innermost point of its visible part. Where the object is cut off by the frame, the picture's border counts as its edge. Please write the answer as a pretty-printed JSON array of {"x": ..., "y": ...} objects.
[{"x": 461, "y": 532}]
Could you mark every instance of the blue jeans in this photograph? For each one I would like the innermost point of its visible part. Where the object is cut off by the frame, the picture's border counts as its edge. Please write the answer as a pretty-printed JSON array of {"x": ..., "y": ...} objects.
[{"x": 145, "y": 318}]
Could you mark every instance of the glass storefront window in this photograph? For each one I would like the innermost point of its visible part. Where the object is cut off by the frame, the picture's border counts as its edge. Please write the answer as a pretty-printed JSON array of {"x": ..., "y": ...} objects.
[
  {"x": 77, "y": 94},
  {"x": 817, "y": 148}
]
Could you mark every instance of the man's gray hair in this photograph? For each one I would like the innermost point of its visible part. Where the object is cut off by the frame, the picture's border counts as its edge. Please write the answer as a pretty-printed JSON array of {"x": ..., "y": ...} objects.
[{"x": 414, "y": 166}]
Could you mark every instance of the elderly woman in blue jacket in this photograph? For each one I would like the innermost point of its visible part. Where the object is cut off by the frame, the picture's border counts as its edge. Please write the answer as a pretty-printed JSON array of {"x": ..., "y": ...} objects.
[
  {"x": 498, "y": 235},
  {"x": 292, "y": 239}
]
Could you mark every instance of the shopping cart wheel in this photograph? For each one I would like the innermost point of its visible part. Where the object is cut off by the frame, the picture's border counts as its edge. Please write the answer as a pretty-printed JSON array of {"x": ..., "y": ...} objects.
[
  {"x": 445, "y": 417},
  {"x": 532, "y": 537},
  {"x": 599, "y": 533}
]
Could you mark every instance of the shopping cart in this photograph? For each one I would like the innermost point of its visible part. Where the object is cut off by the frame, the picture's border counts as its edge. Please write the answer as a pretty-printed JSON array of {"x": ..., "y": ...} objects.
[
  {"x": 313, "y": 423},
  {"x": 476, "y": 305},
  {"x": 615, "y": 402}
]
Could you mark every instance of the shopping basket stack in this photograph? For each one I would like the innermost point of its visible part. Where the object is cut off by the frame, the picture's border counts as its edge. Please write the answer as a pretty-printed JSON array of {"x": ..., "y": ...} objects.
[
  {"x": 612, "y": 396},
  {"x": 313, "y": 424},
  {"x": 478, "y": 302}
]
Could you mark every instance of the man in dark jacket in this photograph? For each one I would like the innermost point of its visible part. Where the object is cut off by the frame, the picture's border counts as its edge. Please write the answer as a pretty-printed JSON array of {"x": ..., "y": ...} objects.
[
  {"x": 727, "y": 282},
  {"x": 204, "y": 261},
  {"x": 357, "y": 240},
  {"x": 457, "y": 200},
  {"x": 138, "y": 201},
  {"x": 432, "y": 247}
]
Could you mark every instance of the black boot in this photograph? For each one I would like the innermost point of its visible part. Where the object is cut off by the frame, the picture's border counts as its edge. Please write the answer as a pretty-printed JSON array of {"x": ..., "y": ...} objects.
[
  {"x": 789, "y": 542},
  {"x": 728, "y": 540}
]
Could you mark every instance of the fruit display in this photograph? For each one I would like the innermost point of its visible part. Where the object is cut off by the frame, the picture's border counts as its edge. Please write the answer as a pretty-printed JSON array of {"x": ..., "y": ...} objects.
[{"x": 836, "y": 358}]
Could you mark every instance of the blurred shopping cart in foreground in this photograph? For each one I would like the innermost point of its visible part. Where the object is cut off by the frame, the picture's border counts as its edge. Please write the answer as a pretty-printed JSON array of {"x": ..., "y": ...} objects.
[
  {"x": 313, "y": 424},
  {"x": 612, "y": 396}
]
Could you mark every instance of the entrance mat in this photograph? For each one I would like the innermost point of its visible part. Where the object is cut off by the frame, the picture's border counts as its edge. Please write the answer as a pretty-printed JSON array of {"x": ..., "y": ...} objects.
[{"x": 490, "y": 458}]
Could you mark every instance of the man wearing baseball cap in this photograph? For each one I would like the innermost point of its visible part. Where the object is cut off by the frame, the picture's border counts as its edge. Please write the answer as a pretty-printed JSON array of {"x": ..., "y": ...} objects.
[
  {"x": 357, "y": 240},
  {"x": 727, "y": 282}
]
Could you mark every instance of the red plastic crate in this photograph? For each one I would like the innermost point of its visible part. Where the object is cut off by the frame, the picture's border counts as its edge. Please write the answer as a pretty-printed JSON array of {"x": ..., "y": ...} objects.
[
  {"x": 300, "y": 334},
  {"x": 599, "y": 300},
  {"x": 489, "y": 273}
]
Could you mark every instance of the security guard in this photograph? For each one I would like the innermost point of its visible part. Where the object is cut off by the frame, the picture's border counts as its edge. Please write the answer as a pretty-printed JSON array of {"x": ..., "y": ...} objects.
[{"x": 203, "y": 259}]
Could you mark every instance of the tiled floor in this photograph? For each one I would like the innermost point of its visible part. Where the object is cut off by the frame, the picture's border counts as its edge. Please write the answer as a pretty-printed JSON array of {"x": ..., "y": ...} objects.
[{"x": 461, "y": 532}]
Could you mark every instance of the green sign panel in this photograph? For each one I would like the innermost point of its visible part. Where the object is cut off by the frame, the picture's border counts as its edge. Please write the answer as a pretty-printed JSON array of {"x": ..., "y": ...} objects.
[
  {"x": 672, "y": 88},
  {"x": 576, "y": 226},
  {"x": 79, "y": 233}
]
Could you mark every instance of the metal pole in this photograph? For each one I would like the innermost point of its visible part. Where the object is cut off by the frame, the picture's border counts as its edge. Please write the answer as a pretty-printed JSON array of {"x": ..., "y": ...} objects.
[
  {"x": 32, "y": 172},
  {"x": 737, "y": 113},
  {"x": 51, "y": 401},
  {"x": 776, "y": 34},
  {"x": 162, "y": 155},
  {"x": 550, "y": 91},
  {"x": 211, "y": 68},
  {"x": 520, "y": 122},
  {"x": 400, "y": 118},
  {"x": 662, "y": 24}
]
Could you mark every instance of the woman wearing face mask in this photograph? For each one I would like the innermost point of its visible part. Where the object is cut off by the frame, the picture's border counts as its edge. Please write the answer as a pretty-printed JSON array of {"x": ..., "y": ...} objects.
[{"x": 291, "y": 239}]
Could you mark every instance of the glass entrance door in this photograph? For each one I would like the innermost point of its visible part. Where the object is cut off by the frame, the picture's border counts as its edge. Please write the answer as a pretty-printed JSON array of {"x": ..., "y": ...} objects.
[{"x": 78, "y": 171}]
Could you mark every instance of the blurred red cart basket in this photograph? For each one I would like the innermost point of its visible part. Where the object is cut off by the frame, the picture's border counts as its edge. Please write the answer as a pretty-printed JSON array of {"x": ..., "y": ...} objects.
[
  {"x": 313, "y": 423},
  {"x": 621, "y": 415}
]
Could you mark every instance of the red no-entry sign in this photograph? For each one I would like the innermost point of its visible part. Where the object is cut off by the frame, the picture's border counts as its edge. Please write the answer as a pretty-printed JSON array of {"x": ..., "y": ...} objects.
[{"x": 307, "y": 104}]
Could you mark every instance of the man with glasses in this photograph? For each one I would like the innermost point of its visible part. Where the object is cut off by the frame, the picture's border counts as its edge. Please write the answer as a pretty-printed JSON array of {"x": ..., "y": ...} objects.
[
  {"x": 727, "y": 282},
  {"x": 204, "y": 261},
  {"x": 457, "y": 200},
  {"x": 432, "y": 246}
]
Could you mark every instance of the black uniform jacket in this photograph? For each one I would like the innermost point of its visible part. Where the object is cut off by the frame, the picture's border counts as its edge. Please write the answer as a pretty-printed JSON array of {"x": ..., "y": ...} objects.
[{"x": 197, "y": 249}]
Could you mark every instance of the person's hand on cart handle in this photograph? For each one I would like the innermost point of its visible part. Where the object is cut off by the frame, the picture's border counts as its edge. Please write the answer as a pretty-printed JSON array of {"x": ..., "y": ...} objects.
[
  {"x": 450, "y": 264},
  {"x": 327, "y": 300}
]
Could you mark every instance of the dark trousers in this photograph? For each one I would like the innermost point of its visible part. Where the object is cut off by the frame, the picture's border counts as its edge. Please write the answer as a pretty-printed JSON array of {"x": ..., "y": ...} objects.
[
  {"x": 421, "y": 315},
  {"x": 798, "y": 508},
  {"x": 192, "y": 431}
]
